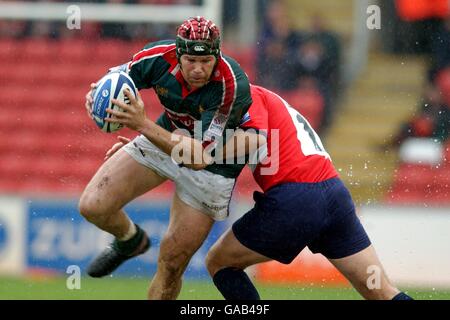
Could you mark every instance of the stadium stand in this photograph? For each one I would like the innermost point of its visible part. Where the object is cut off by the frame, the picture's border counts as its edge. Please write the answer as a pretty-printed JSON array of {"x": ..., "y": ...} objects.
[
  {"x": 48, "y": 143},
  {"x": 419, "y": 182}
]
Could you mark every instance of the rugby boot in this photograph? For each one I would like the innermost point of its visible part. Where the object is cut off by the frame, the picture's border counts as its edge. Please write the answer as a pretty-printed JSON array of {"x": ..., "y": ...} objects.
[{"x": 117, "y": 253}]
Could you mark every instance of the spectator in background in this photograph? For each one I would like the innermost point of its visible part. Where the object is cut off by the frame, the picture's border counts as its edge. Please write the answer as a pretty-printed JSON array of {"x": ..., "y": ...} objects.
[
  {"x": 311, "y": 62},
  {"x": 13, "y": 29},
  {"x": 319, "y": 58},
  {"x": 287, "y": 57},
  {"x": 116, "y": 29},
  {"x": 332, "y": 50},
  {"x": 276, "y": 55},
  {"x": 432, "y": 121}
]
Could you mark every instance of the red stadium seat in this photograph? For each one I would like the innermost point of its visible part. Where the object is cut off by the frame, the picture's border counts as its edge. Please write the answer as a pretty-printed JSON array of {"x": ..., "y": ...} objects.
[
  {"x": 10, "y": 52},
  {"x": 37, "y": 51},
  {"x": 420, "y": 184},
  {"x": 443, "y": 82},
  {"x": 244, "y": 56},
  {"x": 414, "y": 176},
  {"x": 75, "y": 52},
  {"x": 112, "y": 52},
  {"x": 446, "y": 154},
  {"x": 422, "y": 9},
  {"x": 309, "y": 102},
  {"x": 400, "y": 195}
]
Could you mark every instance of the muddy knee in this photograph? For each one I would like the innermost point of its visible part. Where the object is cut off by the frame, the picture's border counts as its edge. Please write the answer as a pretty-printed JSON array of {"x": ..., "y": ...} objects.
[
  {"x": 93, "y": 208},
  {"x": 174, "y": 257}
]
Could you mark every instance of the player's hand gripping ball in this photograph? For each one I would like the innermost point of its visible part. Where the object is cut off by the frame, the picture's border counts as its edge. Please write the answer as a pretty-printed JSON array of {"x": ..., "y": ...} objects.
[{"x": 111, "y": 86}]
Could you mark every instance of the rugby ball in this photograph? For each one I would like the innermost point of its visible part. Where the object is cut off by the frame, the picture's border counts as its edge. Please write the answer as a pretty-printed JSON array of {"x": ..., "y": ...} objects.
[{"x": 111, "y": 86}]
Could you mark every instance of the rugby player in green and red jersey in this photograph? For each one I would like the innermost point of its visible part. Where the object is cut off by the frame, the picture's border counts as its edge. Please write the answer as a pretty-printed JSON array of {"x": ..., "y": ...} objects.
[{"x": 196, "y": 85}]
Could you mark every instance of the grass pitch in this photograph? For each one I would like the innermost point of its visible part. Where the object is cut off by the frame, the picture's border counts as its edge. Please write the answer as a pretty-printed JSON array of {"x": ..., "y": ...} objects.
[{"x": 135, "y": 289}]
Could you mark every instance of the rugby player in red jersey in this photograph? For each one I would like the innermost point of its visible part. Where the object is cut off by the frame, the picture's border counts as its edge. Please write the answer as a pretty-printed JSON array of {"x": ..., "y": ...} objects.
[{"x": 304, "y": 204}]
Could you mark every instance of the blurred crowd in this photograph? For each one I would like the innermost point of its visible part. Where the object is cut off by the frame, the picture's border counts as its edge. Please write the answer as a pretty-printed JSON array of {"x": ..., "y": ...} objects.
[
  {"x": 299, "y": 62},
  {"x": 432, "y": 116}
]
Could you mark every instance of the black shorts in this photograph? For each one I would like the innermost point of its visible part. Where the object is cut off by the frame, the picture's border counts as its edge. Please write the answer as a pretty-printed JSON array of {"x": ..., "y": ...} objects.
[{"x": 291, "y": 216}]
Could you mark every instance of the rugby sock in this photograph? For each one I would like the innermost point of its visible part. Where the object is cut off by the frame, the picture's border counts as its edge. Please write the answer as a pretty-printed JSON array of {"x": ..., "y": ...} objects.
[
  {"x": 130, "y": 233},
  {"x": 234, "y": 284},
  {"x": 129, "y": 246},
  {"x": 402, "y": 296}
]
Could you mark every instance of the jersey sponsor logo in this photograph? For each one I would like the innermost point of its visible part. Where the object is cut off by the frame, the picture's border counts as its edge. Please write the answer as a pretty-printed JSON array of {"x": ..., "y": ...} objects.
[
  {"x": 161, "y": 91},
  {"x": 185, "y": 120}
]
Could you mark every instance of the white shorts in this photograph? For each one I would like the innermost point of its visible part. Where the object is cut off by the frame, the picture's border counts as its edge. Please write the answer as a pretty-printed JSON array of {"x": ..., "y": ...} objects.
[{"x": 203, "y": 190}]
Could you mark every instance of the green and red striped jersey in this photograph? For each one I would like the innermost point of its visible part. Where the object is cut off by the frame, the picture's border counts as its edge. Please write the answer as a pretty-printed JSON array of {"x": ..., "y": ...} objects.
[{"x": 219, "y": 105}]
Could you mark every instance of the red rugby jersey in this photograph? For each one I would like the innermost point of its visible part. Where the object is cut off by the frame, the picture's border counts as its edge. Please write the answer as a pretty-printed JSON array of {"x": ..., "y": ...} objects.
[{"x": 294, "y": 151}]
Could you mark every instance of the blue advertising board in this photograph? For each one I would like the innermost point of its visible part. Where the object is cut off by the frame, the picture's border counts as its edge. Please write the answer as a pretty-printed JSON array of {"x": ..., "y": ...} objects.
[{"x": 58, "y": 236}]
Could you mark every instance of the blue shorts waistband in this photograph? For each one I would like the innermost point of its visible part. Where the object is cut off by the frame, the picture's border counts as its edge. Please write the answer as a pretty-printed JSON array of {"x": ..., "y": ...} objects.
[{"x": 322, "y": 184}]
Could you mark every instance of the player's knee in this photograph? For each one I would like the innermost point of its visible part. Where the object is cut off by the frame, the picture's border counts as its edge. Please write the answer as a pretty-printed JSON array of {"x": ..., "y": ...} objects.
[
  {"x": 173, "y": 257},
  {"x": 90, "y": 208},
  {"x": 172, "y": 265}
]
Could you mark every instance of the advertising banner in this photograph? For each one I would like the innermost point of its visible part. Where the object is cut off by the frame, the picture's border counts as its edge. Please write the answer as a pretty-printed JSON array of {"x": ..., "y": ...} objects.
[{"x": 59, "y": 237}]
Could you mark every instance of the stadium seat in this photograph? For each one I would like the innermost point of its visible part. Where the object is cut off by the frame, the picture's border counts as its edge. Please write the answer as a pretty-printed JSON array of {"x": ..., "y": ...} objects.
[
  {"x": 443, "y": 82},
  {"x": 446, "y": 153},
  {"x": 414, "y": 176},
  {"x": 244, "y": 56},
  {"x": 9, "y": 49},
  {"x": 112, "y": 52},
  {"x": 420, "y": 184},
  {"x": 309, "y": 102},
  {"x": 39, "y": 50},
  {"x": 402, "y": 196},
  {"x": 77, "y": 51},
  {"x": 442, "y": 178}
]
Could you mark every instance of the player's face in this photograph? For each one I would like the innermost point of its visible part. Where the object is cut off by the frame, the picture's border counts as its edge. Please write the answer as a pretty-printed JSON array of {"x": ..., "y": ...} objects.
[{"x": 197, "y": 70}]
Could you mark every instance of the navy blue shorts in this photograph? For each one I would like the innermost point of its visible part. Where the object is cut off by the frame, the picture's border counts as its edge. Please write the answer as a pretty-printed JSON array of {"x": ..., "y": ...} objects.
[{"x": 291, "y": 216}]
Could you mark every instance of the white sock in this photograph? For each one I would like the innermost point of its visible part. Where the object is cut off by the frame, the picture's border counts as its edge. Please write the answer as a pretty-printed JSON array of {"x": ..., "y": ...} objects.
[{"x": 130, "y": 233}]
